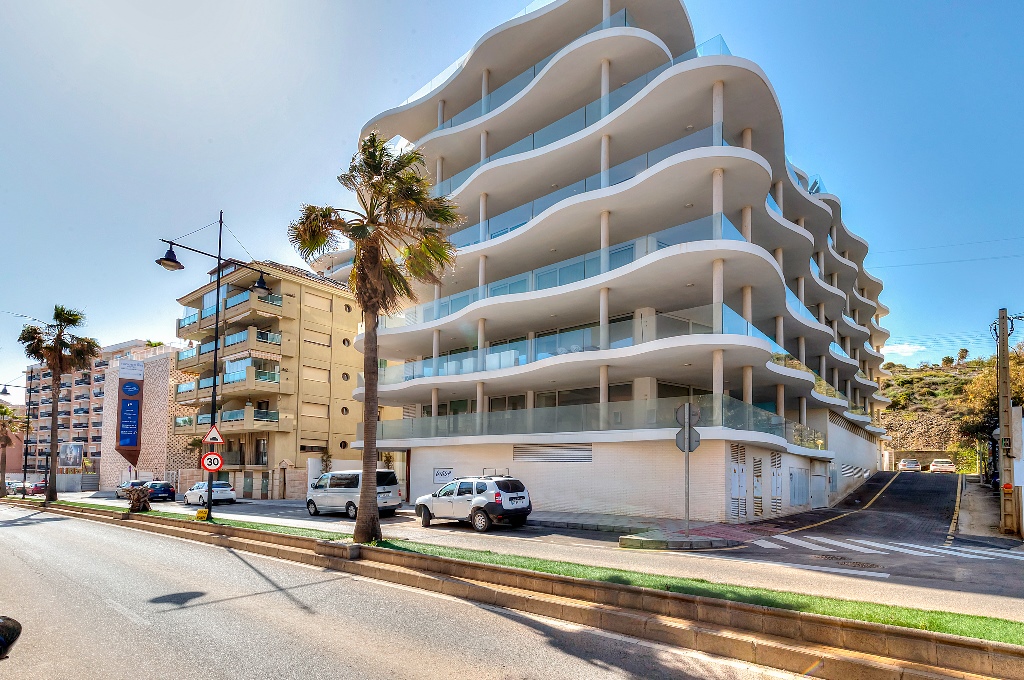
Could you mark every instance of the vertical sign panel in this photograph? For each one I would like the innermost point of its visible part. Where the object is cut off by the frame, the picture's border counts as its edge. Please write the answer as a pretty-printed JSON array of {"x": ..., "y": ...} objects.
[{"x": 129, "y": 409}]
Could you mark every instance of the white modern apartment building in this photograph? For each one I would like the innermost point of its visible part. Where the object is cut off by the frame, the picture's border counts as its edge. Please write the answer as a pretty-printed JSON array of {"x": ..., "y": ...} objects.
[{"x": 634, "y": 238}]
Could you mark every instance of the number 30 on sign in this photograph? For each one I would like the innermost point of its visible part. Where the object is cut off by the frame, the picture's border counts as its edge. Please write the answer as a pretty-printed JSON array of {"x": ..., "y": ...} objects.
[{"x": 212, "y": 462}]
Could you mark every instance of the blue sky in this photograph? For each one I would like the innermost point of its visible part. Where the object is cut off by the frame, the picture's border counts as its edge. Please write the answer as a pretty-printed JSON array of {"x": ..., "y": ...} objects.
[{"x": 125, "y": 122}]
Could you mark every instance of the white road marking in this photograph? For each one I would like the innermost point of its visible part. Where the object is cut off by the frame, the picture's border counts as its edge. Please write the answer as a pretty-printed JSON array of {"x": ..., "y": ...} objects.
[
  {"x": 991, "y": 552},
  {"x": 808, "y": 567},
  {"x": 894, "y": 548},
  {"x": 802, "y": 544},
  {"x": 126, "y": 612},
  {"x": 847, "y": 546},
  {"x": 946, "y": 551},
  {"x": 768, "y": 544}
]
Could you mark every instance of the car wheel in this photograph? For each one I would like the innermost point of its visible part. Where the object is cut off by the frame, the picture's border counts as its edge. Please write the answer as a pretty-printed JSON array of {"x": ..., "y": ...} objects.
[
  {"x": 184, "y": 500},
  {"x": 351, "y": 510},
  {"x": 481, "y": 522},
  {"x": 424, "y": 516},
  {"x": 518, "y": 522},
  {"x": 311, "y": 508},
  {"x": 232, "y": 500}
]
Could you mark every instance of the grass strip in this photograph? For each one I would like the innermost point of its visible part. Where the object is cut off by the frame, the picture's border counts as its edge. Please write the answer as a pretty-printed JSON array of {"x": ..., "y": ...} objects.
[
  {"x": 980, "y": 627},
  {"x": 273, "y": 528}
]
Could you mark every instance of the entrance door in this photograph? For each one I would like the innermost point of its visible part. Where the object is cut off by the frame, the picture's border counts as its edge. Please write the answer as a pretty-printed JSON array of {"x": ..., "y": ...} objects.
[
  {"x": 819, "y": 492},
  {"x": 443, "y": 503},
  {"x": 247, "y": 484},
  {"x": 463, "y": 500}
]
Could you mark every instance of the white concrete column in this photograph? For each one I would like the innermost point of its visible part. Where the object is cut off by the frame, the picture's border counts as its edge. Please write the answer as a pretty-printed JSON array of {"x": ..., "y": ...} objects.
[
  {"x": 834, "y": 279},
  {"x": 820, "y": 257},
  {"x": 485, "y": 89},
  {"x": 780, "y": 400},
  {"x": 777, "y": 192},
  {"x": 821, "y": 314},
  {"x": 483, "y": 217},
  {"x": 856, "y": 395},
  {"x": 437, "y": 300},
  {"x": 801, "y": 350},
  {"x": 778, "y": 257},
  {"x": 835, "y": 377},
  {"x": 481, "y": 273},
  {"x": 603, "y": 383},
  {"x": 748, "y": 384},
  {"x": 822, "y": 367},
  {"x": 780, "y": 336},
  {"x": 645, "y": 325},
  {"x": 717, "y": 293},
  {"x": 440, "y": 112},
  {"x": 481, "y": 402},
  {"x": 748, "y": 139},
  {"x": 531, "y": 351},
  {"x": 846, "y": 346},
  {"x": 745, "y": 224},
  {"x": 606, "y": 75},
  {"x": 848, "y": 385},
  {"x": 435, "y": 400},
  {"x": 606, "y": 154},
  {"x": 606, "y": 10},
  {"x": 835, "y": 328},
  {"x": 800, "y": 222},
  {"x": 438, "y": 170},
  {"x": 718, "y": 110},
  {"x": 718, "y": 191},
  {"x": 718, "y": 371},
  {"x": 483, "y": 145},
  {"x": 481, "y": 343},
  {"x": 748, "y": 304},
  {"x": 605, "y": 241},
  {"x": 603, "y": 316},
  {"x": 530, "y": 399},
  {"x": 436, "y": 349},
  {"x": 803, "y": 410},
  {"x": 800, "y": 290}
]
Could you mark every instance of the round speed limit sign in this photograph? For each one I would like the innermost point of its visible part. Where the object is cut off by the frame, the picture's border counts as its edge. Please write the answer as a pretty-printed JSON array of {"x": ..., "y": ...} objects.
[{"x": 212, "y": 462}]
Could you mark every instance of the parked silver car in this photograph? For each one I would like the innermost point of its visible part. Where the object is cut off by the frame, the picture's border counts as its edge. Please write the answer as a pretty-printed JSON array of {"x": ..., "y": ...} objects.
[
  {"x": 339, "y": 492},
  {"x": 481, "y": 501}
]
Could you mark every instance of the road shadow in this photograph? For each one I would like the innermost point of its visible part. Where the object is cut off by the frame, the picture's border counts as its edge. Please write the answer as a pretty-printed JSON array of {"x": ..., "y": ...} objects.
[
  {"x": 37, "y": 517},
  {"x": 180, "y": 599}
]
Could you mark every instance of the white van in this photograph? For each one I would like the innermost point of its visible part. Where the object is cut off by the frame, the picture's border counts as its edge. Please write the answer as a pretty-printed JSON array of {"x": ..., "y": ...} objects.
[{"x": 339, "y": 492}]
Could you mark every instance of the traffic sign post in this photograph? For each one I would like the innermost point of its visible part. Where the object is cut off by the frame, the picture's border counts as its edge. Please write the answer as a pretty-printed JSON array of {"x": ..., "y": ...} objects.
[
  {"x": 212, "y": 462},
  {"x": 687, "y": 440}
]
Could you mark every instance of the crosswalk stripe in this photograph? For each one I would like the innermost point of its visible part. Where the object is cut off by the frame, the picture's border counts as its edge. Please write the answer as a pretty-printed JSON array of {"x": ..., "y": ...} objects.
[
  {"x": 894, "y": 548},
  {"x": 991, "y": 552},
  {"x": 802, "y": 544},
  {"x": 946, "y": 551},
  {"x": 768, "y": 544},
  {"x": 847, "y": 546}
]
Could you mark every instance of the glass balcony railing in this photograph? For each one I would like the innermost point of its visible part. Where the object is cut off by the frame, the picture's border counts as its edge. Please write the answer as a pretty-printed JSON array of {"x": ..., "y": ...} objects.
[
  {"x": 205, "y": 383},
  {"x": 232, "y": 416},
  {"x": 186, "y": 387},
  {"x": 773, "y": 205},
  {"x": 695, "y": 321},
  {"x": 203, "y": 419},
  {"x": 798, "y": 307},
  {"x": 186, "y": 354},
  {"x": 208, "y": 311},
  {"x": 236, "y": 300},
  {"x": 822, "y": 387},
  {"x": 266, "y": 416},
  {"x": 234, "y": 377},
  {"x": 838, "y": 350},
  {"x": 857, "y": 410},
  {"x": 513, "y": 87},
  {"x": 268, "y": 337},
  {"x": 714, "y": 227},
  {"x": 511, "y": 220},
  {"x": 268, "y": 376},
  {"x": 236, "y": 338},
  {"x": 341, "y": 265},
  {"x": 815, "y": 269},
  {"x": 188, "y": 320},
  {"x": 815, "y": 185},
  {"x": 715, "y": 411},
  {"x": 184, "y": 421}
]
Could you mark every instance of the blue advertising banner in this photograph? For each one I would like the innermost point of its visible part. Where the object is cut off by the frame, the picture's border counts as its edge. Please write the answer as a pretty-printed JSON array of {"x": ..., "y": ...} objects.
[{"x": 128, "y": 423}]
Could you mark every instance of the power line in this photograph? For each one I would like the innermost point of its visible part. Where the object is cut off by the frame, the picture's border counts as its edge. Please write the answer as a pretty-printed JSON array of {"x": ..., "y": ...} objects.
[
  {"x": 949, "y": 245},
  {"x": 196, "y": 231},
  {"x": 923, "y": 264},
  {"x": 240, "y": 243}
]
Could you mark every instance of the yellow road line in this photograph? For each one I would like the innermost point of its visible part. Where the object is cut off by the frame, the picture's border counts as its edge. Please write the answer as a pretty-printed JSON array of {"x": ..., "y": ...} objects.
[
  {"x": 833, "y": 519},
  {"x": 956, "y": 510}
]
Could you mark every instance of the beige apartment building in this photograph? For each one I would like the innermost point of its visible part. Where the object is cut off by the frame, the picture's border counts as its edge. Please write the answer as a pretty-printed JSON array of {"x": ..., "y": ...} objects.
[
  {"x": 286, "y": 370},
  {"x": 79, "y": 407}
]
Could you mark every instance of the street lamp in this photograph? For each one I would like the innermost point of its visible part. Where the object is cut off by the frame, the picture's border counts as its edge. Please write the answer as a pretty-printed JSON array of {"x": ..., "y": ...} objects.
[
  {"x": 24, "y": 436},
  {"x": 170, "y": 262}
]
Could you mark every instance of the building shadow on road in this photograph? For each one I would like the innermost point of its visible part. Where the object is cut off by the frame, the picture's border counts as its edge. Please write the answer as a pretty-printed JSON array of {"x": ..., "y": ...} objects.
[
  {"x": 37, "y": 517},
  {"x": 181, "y": 599}
]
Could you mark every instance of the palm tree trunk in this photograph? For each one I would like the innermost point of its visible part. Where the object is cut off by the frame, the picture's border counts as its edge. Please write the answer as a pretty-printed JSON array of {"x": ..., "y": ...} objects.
[
  {"x": 3, "y": 470},
  {"x": 368, "y": 519},
  {"x": 51, "y": 481}
]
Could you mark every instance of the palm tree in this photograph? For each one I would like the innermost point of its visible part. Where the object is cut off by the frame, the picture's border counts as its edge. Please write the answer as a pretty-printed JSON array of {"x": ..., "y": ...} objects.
[
  {"x": 398, "y": 236},
  {"x": 63, "y": 352},
  {"x": 9, "y": 424}
]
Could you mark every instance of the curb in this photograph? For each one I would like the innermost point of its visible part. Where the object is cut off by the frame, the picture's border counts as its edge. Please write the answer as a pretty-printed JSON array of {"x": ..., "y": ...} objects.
[
  {"x": 823, "y": 646},
  {"x": 642, "y": 542}
]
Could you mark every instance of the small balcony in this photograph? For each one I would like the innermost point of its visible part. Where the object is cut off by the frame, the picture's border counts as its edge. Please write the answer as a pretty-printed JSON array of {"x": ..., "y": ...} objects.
[
  {"x": 196, "y": 359},
  {"x": 82, "y": 381},
  {"x": 248, "y": 306},
  {"x": 100, "y": 379},
  {"x": 96, "y": 439},
  {"x": 249, "y": 419},
  {"x": 101, "y": 364},
  {"x": 247, "y": 380}
]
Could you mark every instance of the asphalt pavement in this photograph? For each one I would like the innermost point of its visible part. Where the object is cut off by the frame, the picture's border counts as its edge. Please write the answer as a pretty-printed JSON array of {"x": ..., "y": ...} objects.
[
  {"x": 891, "y": 536},
  {"x": 102, "y": 601}
]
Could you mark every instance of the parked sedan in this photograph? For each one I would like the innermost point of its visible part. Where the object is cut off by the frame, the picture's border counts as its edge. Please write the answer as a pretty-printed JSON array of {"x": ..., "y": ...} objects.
[
  {"x": 942, "y": 465},
  {"x": 38, "y": 488},
  {"x": 119, "y": 492},
  {"x": 160, "y": 491},
  {"x": 909, "y": 465},
  {"x": 222, "y": 491}
]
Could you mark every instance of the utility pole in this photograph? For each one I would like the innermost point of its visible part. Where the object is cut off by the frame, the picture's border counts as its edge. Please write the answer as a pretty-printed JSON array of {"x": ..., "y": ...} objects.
[{"x": 1007, "y": 507}]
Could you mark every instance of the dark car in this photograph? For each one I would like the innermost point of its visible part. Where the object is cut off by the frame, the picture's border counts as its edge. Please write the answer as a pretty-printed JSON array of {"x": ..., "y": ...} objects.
[
  {"x": 160, "y": 491},
  {"x": 38, "y": 487}
]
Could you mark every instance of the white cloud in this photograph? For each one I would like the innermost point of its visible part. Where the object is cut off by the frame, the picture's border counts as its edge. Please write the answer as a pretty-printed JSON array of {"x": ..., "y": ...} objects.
[{"x": 903, "y": 349}]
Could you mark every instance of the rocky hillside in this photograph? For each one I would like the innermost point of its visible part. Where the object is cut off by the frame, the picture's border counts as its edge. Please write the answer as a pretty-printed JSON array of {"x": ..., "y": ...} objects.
[{"x": 925, "y": 407}]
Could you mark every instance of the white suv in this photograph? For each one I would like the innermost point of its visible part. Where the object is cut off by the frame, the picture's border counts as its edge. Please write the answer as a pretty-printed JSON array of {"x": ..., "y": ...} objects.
[{"x": 482, "y": 501}]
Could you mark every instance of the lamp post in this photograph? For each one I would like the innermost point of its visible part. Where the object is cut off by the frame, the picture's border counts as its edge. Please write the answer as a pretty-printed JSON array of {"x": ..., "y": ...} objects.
[{"x": 170, "y": 262}]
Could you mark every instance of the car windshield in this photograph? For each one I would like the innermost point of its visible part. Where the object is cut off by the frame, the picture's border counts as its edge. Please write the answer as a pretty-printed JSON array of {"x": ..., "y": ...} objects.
[
  {"x": 509, "y": 485},
  {"x": 386, "y": 478},
  {"x": 221, "y": 485}
]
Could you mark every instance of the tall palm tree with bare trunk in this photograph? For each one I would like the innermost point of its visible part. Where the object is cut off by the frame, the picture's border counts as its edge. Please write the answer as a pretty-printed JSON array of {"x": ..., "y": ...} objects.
[
  {"x": 62, "y": 351},
  {"x": 398, "y": 234},
  {"x": 10, "y": 424}
]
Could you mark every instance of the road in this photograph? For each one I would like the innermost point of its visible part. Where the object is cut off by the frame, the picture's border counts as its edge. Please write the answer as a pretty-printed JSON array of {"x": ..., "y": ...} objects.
[
  {"x": 101, "y": 601},
  {"x": 904, "y": 561}
]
